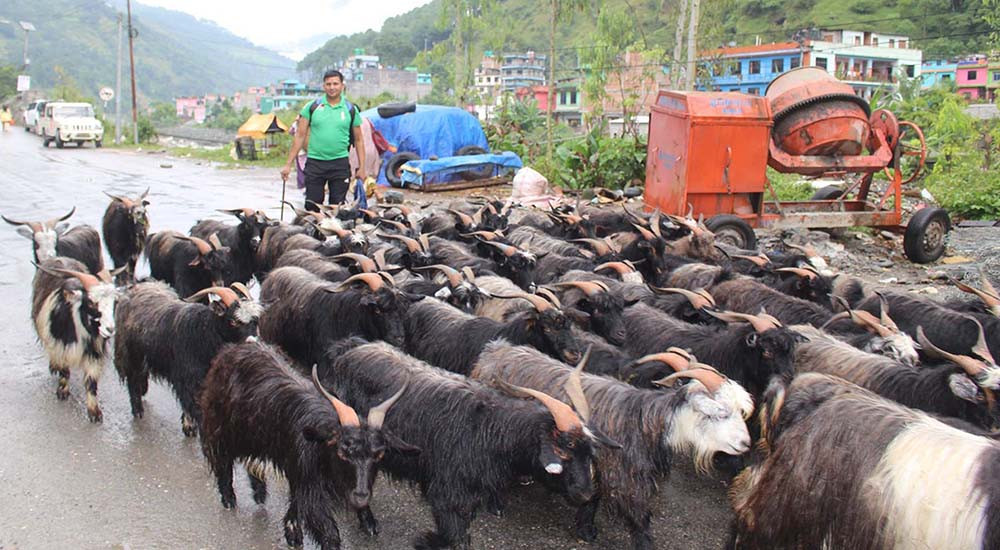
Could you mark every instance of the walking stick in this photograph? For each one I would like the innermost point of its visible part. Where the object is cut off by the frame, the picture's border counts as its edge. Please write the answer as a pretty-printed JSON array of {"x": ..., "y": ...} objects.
[{"x": 284, "y": 182}]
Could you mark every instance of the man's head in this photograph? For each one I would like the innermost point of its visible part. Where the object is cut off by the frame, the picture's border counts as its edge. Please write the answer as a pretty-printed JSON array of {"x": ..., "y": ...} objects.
[{"x": 333, "y": 82}]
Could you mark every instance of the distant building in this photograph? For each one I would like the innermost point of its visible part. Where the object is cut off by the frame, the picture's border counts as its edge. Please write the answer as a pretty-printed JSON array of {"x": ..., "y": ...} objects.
[
  {"x": 519, "y": 70},
  {"x": 487, "y": 77},
  {"x": 936, "y": 71},
  {"x": 977, "y": 78},
  {"x": 190, "y": 108},
  {"x": 288, "y": 94},
  {"x": 749, "y": 69}
]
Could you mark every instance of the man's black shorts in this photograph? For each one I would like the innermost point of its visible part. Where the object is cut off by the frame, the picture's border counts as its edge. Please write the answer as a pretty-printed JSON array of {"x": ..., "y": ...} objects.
[{"x": 319, "y": 173}]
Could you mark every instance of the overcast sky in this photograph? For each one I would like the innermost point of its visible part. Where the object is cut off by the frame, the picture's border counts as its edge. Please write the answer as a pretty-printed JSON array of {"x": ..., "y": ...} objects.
[{"x": 279, "y": 24}]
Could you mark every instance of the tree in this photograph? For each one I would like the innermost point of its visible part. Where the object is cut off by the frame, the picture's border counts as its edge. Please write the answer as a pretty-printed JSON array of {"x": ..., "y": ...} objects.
[
  {"x": 8, "y": 81},
  {"x": 559, "y": 10}
]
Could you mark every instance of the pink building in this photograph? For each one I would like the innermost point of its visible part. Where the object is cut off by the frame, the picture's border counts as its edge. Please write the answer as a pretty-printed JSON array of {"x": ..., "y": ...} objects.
[
  {"x": 191, "y": 108},
  {"x": 971, "y": 77}
]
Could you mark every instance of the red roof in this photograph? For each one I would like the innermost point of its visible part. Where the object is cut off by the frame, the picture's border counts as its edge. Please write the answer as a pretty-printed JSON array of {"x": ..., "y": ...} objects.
[{"x": 763, "y": 48}]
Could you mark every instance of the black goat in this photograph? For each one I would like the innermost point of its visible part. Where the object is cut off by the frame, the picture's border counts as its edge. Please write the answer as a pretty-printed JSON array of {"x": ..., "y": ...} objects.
[
  {"x": 125, "y": 226},
  {"x": 305, "y": 313},
  {"x": 51, "y": 238},
  {"x": 258, "y": 410},
  {"x": 314, "y": 262},
  {"x": 242, "y": 239},
  {"x": 175, "y": 340},
  {"x": 188, "y": 264},
  {"x": 475, "y": 441}
]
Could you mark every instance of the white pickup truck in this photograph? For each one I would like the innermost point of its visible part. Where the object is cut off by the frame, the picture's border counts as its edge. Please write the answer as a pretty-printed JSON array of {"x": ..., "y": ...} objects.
[{"x": 64, "y": 122}]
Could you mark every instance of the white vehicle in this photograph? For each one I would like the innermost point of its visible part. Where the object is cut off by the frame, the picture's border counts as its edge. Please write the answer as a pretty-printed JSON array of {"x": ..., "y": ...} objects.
[
  {"x": 31, "y": 113},
  {"x": 63, "y": 122}
]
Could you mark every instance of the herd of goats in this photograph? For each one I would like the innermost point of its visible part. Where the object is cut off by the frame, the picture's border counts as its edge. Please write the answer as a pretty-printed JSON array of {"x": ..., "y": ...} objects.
[{"x": 470, "y": 348}]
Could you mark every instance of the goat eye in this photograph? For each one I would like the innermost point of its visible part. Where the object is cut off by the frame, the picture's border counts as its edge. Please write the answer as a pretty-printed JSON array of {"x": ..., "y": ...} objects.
[{"x": 379, "y": 455}]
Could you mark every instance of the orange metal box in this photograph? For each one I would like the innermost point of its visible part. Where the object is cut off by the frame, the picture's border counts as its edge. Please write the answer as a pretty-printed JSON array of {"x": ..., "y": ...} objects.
[{"x": 707, "y": 149}]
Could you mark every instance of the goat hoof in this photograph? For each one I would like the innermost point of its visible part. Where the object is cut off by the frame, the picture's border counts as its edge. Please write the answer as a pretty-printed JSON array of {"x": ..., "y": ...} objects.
[
  {"x": 62, "y": 394},
  {"x": 370, "y": 528},
  {"x": 137, "y": 414},
  {"x": 260, "y": 496},
  {"x": 229, "y": 501},
  {"x": 587, "y": 533},
  {"x": 96, "y": 416},
  {"x": 189, "y": 431},
  {"x": 293, "y": 533}
]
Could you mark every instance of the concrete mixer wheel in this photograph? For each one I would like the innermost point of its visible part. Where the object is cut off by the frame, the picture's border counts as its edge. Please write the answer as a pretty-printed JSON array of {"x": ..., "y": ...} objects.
[
  {"x": 924, "y": 240},
  {"x": 910, "y": 143},
  {"x": 732, "y": 230}
]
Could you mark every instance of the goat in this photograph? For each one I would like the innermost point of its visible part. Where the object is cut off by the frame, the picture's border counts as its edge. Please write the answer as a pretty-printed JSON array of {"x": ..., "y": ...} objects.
[
  {"x": 539, "y": 242},
  {"x": 940, "y": 389},
  {"x": 700, "y": 419},
  {"x": 273, "y": 245},
  {"x": 242, "y": 239},
  {"x": 594, "y": 306},
  {"x": 750, "y": 296},
  {"x": 460, "y": 289},
  {"x": 314, "y": 262},
  {"x": 514, "y": 263},
  {"x": 552, "y": 267},
  {"x": 748, "y": 353},
  {"x": 846, "y": 468},
  {"x": 458, "y": 256},
  {"x": 476, "y": 441},
  {"x": 73, "y": 313},
  {"x": 125, "y": 226},
  {"x": 258, "y": 410},
  {"x": 305, "y": 313},
  {"x": 175, "y": 340},
  {"x": 188, "y": 264},
  {"x": 445, "y": 337},
  {"x": 51, "y": 238}
]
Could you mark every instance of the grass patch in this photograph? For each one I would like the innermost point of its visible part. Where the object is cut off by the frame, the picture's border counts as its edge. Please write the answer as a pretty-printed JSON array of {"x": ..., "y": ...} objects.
[{"x": 789, "y": 187}]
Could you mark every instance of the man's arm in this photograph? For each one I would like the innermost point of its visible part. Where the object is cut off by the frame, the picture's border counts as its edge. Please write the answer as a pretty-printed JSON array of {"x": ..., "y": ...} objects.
[
  {"x": 359, "y": 146},
  {"x": 301, "y": 134}
]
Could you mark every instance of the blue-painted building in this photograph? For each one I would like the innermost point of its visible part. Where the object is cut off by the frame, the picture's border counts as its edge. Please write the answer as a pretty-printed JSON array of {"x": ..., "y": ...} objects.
[
  {"x": 749, "y": 69},
  {"x": 937, "y": 71}
]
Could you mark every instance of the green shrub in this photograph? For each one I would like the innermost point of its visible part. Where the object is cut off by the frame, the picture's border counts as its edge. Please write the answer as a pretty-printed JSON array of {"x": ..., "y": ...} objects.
[
  {"x": 962, "y": 187},
  {"x": 788, "y": 187},
  {"x": 600, "y": 161}
]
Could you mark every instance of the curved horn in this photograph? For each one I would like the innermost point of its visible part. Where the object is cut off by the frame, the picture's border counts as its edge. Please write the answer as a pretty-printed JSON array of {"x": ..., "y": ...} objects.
[
  {"x": 376, "y": 415},
  {"x": 970, "y": 365},
  {"x": 86, "y": 279},
  {"x": 589, "y": 288},
  {"x": 674, "y": 358},
  {"x": 699, "y": 299},
  {"x": 620, "y": 267},
  {"x": 52, "y": 223},
  {"x": 124, "y": 200},
  {"x": 760, "y": 260},
  {"x": 566, "y": 419},
  {"x": 654, "y": 223},
  {"x": 488, "y": 235},
  {"x": 454, "y": 277},
  {"x": 35, "y": 226},
  {"x": 709, "y": 377},
  {"x": 366, "y": 264},
  {"x": 242, "y": 289},
  {"x": 226, "y": 295},
  {"x": 303, "y": 213},
  {"x": 759, "y": 324},
  {"x": 541, "y": 304},
  {"x": 203, "y": 247},
  {"x": 464, "y": 218},
  {"x": 646, "y": 234},
  {"x": 801, "y": 272},
  {"x": 411, "y": 244},
  {"x": 884, "y": 318},
  {"x": 213, "y": 239},
  {"x": 981, "y": 349},
  {"x": 990, "y": 299},
  {"x": 508, "y": 250},
  {"x": 399, "y": 226},
  {"x": 549, "y": 295},
  {"x": 598, "y": 245},
  {"x": 574, "y": 387},
  {"x": 144, "y": 193},
  {"x": 345, "y": 413},
  {"x": 373, "y": 280}
]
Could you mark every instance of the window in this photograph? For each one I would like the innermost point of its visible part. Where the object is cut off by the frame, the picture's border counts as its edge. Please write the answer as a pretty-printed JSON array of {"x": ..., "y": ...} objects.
[
  {"x": 753, "y": 91},
  {"x": 857, "y": 40},
  {"x": 755, "y": 67},
  {"x": 734, "y": 89},
  {"x": 902, "y": 43},
  {"x": 795, "y": 63},
  {"x": 972, "y": 75},
  {"x": 892, "y": 42},
  {"x": 996, "y": 76},
  {"x": 946, "y": 77},
  {"x": 778, "y": 66},
  {"x": 572, "y": 97},
  {"x": 910, "y": 70},
  {"x": 736, "y": 68},
  {"x": 716, "y": 69},
  {"x": 562, "y": 98},
  {"x": 821, "y": 62}
]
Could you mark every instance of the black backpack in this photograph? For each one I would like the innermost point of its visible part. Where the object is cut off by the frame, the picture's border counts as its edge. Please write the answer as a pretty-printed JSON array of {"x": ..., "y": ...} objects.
[{"x": 350, "y": 106}]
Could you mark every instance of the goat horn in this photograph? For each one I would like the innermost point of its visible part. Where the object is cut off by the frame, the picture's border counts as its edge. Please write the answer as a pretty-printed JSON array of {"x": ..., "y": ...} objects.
[
  {"x": 598, "y": 245},
  {"x": 52, "y": 223},
  {"x": 124, "y": 200},
  {"x": 144, "y": 193},
  {"x": 242, "y": 289},
  {"x": 884, "y": 318},
  {"x": 398, "y": 225},
  {"x": 801, "y": 272},
  {"x": 674, "y": 358},
  {"x": 760, "y": 260},
  {"x": 454, "y": 277},
  {"x": 981, "y": 349},
  {"x": 373, "y": 280},
  {"x": 769, "y": 318},
  {"x": 203, "y": 247},
  {"x": 226, "y": 295},
  {"x": 620, "y": 267},
  {"x": 654, "y": 223},
  {"x": 589, "y": 288},
  {"x": 808, "y": 250},
  {"x": 376, "y": 416},
  {"x": 411, "y": 244},
  {"x": 549, "y": 295},
  {"x": 759, "y": 324},
  {"x": 35, "y": 226},
  {"x": 86, "y": 279},
  {"x": 464, "y": 218},
  {"x": 425, "y": 242},
  {"x": 566, "y": 419},
  {"x": 863, "y": 318},
  {"x": 989, "y": 298},
  {"x": 646, "y": 234},
  {"x": 972, "y": 366},
  {"x": 709, "y": 377},
  {"x": 370, "y": 213},
  {"x": 345, "y": 413},
  {"x": 508, "y": 250},
  {"x": 488, "y": 235},
  {"x": 366, "y": 264},
  {"x": 699, "y": 299},
  {"x": 574, "y": 388},
  {"x": 541, "y": 304},
  {"x": 478, "y": 216},
  {"x": 213, "y": 239},
  {"x": 300, "y": 212}
]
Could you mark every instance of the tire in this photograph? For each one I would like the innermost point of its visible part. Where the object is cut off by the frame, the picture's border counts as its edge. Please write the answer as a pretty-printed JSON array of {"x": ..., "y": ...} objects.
[
  {"x": 830, "y": 192},
  {"x": 733, "y": 230},
  {"x": 59, "y": 142},
  {"x": 474, "y": 173},
  {"x": 389, "y": 110},
  {"x": 98, "y": 144},
  {"x": 924, "y": 240},
  {"x": 395, "y": 165}
]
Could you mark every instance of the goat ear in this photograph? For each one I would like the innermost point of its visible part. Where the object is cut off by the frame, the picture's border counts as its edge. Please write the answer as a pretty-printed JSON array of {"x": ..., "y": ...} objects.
[
  {"x": 25, "y": 232},
  {"x": 963, "y": 387},
  {"x": 216, "y": 305},
  {"x": 316, "y": 435},
  {"x": 195, "y": 262},
  {"x": 602, "y": 439},
  {"x": 398, "y": 445},
  {"x": 61, "y": 227},
  {"x": 577, "y": 316},
  {"x": 72, "y": 295}
]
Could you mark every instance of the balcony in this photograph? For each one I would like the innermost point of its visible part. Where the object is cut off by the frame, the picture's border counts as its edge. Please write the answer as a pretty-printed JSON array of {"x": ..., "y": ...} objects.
[
  {"x": 866, "y": 78},
  {"x": 523, "y": 67}
]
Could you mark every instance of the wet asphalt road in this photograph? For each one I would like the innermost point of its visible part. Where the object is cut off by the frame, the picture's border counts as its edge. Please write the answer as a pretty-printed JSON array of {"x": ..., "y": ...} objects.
[{"x": 124, "y": 484}]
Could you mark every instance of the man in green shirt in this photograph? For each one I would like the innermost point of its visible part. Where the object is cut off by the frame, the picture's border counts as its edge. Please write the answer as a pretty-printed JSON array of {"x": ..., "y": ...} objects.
[{"x": 328, "y": 127}]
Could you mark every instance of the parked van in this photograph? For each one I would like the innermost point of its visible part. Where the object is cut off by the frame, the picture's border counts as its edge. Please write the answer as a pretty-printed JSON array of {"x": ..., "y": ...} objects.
[
  {"x": 31, "y": 113},
  {"x": 64, "y": 122}
]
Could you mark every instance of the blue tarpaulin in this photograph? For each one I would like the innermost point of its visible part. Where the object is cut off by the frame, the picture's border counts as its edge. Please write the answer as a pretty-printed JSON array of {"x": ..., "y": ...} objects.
[
  {"x": 432, "y": 130},
  {"x": 427, "y": 172}
]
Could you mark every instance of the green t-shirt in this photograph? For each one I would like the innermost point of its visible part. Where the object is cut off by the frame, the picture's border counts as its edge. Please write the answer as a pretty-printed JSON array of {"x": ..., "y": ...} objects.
[{"x": 329, "y": 128}]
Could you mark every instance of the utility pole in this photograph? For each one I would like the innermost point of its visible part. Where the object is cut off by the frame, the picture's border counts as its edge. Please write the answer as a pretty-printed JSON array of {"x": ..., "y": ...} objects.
[
  {"x": 692, "y": 45},
  {"x": 675, "y": 65},
  {"x": 118, "y": 85},
  {"x": 131, "y": 59}
]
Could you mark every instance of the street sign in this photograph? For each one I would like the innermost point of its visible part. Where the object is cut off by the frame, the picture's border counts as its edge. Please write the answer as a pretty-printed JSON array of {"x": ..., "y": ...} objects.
[
  {"x": 106, "y": 94},
  {"x": 23, "y": 83}
]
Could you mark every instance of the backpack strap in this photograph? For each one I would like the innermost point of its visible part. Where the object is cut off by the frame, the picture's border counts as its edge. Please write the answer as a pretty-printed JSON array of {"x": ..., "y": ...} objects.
[
  {"x": 316, "y": 103},
  {"x": 350, "y": 129}
]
